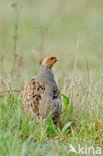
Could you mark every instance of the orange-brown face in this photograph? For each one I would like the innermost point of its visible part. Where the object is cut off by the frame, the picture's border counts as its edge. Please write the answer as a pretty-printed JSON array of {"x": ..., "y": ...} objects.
[{"x": 49, "y": 61}]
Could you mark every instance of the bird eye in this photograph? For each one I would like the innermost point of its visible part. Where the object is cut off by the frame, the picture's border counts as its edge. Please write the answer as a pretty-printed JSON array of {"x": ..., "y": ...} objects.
[{"x": 52, "y": 58}]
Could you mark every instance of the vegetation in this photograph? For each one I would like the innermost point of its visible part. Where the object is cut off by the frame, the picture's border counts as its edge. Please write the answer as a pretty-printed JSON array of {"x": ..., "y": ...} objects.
[{"x": 73, "y": 31}]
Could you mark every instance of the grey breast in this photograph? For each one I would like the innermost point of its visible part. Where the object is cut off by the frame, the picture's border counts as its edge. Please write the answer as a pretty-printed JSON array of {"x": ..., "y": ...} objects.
[{"x": 46, "y": 77}]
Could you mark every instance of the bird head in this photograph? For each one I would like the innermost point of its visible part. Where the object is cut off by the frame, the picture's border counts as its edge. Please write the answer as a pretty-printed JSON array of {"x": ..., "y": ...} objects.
[{"x": 49, "y": 61}]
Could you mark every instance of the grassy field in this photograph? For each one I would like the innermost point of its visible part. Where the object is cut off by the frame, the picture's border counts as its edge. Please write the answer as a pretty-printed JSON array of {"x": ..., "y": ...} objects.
[{"x": 72, "y": 31}]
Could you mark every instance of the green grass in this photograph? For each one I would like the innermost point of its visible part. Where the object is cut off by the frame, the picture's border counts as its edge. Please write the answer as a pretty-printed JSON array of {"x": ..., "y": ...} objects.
[
  {"x": 74, "y": 33},
  {"x": 20, "y": 135}
]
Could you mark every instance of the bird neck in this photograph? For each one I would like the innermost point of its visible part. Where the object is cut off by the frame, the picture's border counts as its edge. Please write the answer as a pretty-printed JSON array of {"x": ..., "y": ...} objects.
[
  {"x": 46, "y": 71},
  {"x": 46, "y": 67},
  {"x": 45, "y": 74}
]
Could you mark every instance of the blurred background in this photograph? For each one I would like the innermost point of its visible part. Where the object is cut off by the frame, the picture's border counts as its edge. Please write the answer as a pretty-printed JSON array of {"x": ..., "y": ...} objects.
[{"x": 72, "y": 30}]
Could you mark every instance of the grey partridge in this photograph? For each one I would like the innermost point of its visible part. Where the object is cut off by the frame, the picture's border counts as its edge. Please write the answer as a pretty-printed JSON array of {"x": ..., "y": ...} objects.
[{"x": 41, "y": 94}]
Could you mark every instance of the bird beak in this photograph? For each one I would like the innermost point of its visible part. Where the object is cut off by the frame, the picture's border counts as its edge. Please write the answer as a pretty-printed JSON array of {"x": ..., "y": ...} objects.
[{"x": 57, "y": 59}]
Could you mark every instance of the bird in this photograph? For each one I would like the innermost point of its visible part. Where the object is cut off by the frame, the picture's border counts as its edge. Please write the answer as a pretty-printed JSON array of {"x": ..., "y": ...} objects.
[{"x": 42, "y": 95}]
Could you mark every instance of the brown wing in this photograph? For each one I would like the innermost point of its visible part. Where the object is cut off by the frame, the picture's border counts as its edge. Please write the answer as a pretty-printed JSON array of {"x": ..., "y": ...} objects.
[{"x": 32, "y": 95}]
